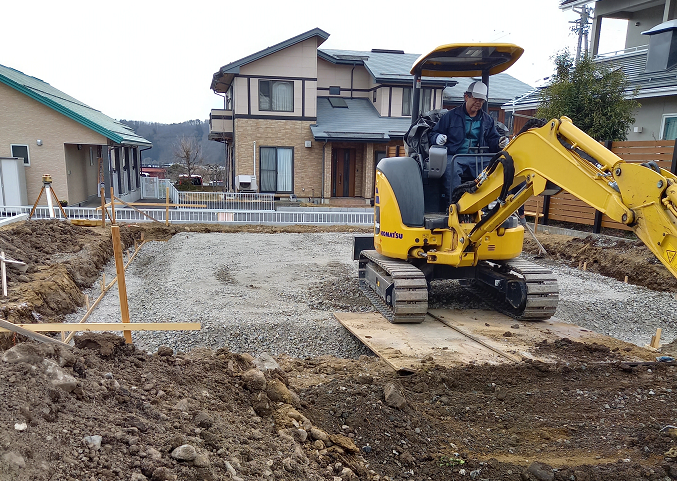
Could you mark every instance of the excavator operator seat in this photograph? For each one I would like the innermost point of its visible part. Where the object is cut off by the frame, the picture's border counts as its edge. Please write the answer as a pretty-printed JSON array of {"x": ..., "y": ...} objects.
[
  {"x": 437, "y": 162},
  {"x": 433, "y": 170}
]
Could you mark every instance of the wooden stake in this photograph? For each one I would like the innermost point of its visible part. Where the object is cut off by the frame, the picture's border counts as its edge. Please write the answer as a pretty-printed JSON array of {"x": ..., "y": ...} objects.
[
  {"x": 585, "y": 266},
  {"x": 142, "y": 236},
  {"x": 538, "y": 208},
  {"x": 167, "y": 209},
  {"x": 626, "y": 279},
  {"x": 104, "y": 288},
  {"x": 122, "y": 287},
  {"x": 103, "y": 207},
  {"x": 87, "y": 301},
  {"x": 4, "y": 273},
  {"x": 112, "y": 204},
  {"x": 656, "y": 338}
]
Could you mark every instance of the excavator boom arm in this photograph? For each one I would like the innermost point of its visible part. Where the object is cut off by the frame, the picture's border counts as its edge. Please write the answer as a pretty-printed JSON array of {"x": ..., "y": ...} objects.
[{"x": 640, "y": 196}]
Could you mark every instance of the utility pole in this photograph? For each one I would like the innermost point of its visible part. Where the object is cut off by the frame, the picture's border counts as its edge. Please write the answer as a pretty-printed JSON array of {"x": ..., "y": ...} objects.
[{"x": 581, "y": 27}]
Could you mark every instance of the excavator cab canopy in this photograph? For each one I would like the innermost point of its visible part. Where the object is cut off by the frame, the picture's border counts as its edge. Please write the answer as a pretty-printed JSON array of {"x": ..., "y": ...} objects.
[
  {"x": 463, "y": 60},
  {"x": 467, "y": 60}
]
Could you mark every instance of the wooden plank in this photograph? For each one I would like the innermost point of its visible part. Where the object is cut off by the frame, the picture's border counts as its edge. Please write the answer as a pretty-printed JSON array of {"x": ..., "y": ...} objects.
[
  {"x": 641, "y": 143},
  {"x": 573, "y": 220},
  {"x": 102, "y": 326},
  {"x": 460, "y": 337},
  {"x": 644, "y": 156},
  {"x": 86, "y": 222},
  {"x": 406, "y": 346},
  {"x": 6, "y": 326},
  {"x": 607, "y": 223}
]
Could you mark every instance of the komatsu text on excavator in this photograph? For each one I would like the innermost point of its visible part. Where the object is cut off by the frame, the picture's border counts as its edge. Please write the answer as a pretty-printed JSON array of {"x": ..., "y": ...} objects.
[{"x": 479, "y": 240}]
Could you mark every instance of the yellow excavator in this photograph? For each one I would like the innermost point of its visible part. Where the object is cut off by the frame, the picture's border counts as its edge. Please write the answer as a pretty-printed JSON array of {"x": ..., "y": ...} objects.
[{"x": 478, "y": 240}]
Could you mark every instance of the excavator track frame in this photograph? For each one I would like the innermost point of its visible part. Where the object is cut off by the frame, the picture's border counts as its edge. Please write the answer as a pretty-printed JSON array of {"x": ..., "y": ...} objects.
[
  {"x": 540, "y": 284},
  {"x": 396, "y": 288}
]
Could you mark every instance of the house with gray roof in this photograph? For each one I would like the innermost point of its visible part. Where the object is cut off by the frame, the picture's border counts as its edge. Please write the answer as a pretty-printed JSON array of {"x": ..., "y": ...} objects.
[
  {"x": 648, "y": 60},
  {"x": 79, "y": 146},
  {"x": 314, "y": 122}
]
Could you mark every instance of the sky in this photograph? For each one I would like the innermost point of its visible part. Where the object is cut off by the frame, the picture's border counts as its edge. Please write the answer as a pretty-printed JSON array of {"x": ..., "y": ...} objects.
[{"x": 153, "y": 61}]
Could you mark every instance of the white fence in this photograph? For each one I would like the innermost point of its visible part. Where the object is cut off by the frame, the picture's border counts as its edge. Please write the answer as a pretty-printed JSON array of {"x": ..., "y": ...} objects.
[
  {"x": 154, "y": 188},
  {"x": 209, "y": 216}
]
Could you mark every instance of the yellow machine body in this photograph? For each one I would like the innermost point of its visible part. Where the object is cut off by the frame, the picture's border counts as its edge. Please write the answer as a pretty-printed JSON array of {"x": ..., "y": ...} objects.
[
  {"x": 392, "y": 238},
  {"x": 478, "y": 240}
]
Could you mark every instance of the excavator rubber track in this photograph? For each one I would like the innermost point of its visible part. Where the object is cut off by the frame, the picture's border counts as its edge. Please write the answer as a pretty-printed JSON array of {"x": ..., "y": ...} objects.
[
  {"x": 541, "y": 285},
  {"x": 396, "y": 288}
]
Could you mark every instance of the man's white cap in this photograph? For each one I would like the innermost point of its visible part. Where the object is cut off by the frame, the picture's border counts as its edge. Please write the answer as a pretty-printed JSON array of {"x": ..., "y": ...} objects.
[{"x": 478, "y": 90}]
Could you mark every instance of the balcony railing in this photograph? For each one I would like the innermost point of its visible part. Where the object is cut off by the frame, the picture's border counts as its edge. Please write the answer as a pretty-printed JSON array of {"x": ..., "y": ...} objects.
[
  {"x": 220, "y": 124},
  {"x": 617, "y": 53}
]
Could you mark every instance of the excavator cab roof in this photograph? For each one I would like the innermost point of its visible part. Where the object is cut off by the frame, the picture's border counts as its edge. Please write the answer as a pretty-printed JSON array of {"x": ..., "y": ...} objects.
[{"x": 467, "y": 60}]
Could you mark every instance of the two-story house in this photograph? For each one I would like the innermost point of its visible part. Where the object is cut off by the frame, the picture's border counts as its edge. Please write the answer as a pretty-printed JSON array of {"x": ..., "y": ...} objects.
[
  {"x": 649, "y": 60},
  {"x": 315, "y": 122},
  {"x": 79, "y": 146}
]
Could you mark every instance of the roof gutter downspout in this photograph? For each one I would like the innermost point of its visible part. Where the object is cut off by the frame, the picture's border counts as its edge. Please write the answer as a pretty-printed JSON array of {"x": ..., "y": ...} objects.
[
  {"x": 351, "y": 80},
  {"x": 323, "y": 162}
]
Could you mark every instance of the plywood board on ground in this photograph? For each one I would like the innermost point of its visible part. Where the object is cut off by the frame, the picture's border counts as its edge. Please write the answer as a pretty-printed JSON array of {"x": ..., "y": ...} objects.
[
  {"x": 455, "y": 337},
  {"x": 86, "y": 222}
]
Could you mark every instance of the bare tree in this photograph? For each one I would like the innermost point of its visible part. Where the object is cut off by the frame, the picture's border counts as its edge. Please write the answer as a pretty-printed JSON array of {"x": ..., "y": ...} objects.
[
  {"x": 189, "y": 154},
  {"x": 214, "y": 172}
]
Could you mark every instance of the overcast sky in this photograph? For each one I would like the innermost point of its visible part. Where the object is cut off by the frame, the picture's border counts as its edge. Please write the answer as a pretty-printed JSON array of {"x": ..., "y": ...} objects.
[{"x": 154, "y": 61}]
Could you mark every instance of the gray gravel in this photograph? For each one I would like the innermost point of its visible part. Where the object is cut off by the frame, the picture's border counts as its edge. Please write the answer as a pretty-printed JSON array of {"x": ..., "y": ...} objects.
[{"x": 276, "y": 293}]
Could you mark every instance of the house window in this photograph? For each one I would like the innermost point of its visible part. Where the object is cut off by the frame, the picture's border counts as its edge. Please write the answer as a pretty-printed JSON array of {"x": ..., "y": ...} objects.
[
  {"x": 669, "y": 127},
  {"x": 333, "y": 90},
  {"x": 276, "y": 169},
  {"x": 276, "y": 95},
  {"x": 406, "y": 101},
  {"x": 424, "y": 102},
  {"x": 21, "y": 151}
]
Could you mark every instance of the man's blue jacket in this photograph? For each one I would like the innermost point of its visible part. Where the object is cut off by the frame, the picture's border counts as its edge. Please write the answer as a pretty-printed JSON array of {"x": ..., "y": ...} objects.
[{"x": 452, "y": 124}]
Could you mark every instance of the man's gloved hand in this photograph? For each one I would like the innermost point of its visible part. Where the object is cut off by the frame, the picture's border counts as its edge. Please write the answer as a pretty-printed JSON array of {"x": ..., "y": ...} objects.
[
  {"x": 502, "y": 142},
  {"x": 523, "y": 221},
  {"x": 441, "y": 139}
]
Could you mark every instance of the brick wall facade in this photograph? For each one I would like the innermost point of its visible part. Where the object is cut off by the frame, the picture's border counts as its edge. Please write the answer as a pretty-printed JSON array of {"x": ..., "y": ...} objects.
[{"x": 307, "y": 169}]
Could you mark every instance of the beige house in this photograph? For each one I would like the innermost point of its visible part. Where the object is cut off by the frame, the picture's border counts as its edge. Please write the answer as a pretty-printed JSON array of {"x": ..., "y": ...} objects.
[
  {"x": 314, "y": 122},
  {"x": 56, "y": 134}
]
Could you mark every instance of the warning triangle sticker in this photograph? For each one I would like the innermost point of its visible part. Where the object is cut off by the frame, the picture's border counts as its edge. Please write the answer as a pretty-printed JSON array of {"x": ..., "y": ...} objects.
[{"x": 671, "y": 255}]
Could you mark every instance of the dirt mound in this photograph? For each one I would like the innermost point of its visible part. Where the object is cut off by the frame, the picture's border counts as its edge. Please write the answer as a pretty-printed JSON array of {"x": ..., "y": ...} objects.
[
  {"x": 108, "y": 411},
  {"x": 608, "y": 257},
  {"x": 62, "y": 259}
]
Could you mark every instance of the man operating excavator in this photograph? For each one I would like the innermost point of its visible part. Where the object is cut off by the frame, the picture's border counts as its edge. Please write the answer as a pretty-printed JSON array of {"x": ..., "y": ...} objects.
[{"x": 463, "y": 130}]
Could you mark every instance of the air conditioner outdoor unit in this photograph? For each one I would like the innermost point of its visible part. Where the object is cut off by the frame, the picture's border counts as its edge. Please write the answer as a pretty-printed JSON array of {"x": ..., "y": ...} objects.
[{"x": 245, "y": 183}]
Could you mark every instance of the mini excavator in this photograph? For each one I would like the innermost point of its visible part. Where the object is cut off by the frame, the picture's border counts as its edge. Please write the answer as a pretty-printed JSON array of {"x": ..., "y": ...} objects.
[{"x": 478, "y": 240}]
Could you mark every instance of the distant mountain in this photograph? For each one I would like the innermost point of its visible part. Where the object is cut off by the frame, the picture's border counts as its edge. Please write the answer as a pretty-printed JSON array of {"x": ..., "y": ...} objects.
[{"x": 165, "y": 136}]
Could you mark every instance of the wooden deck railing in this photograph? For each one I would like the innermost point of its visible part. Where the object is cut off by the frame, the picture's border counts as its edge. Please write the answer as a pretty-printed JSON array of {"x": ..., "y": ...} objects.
[{"x": 564, "y": 207}]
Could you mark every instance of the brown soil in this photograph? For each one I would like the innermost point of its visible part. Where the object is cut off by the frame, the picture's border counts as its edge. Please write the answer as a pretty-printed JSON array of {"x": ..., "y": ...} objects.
[
  {"x": 608, "y": 257},
  {"x": 590, "y": 417}
]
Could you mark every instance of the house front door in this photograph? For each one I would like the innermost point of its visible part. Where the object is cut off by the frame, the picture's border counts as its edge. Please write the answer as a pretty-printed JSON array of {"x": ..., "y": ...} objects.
[{"x": 343, "y": 173}]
